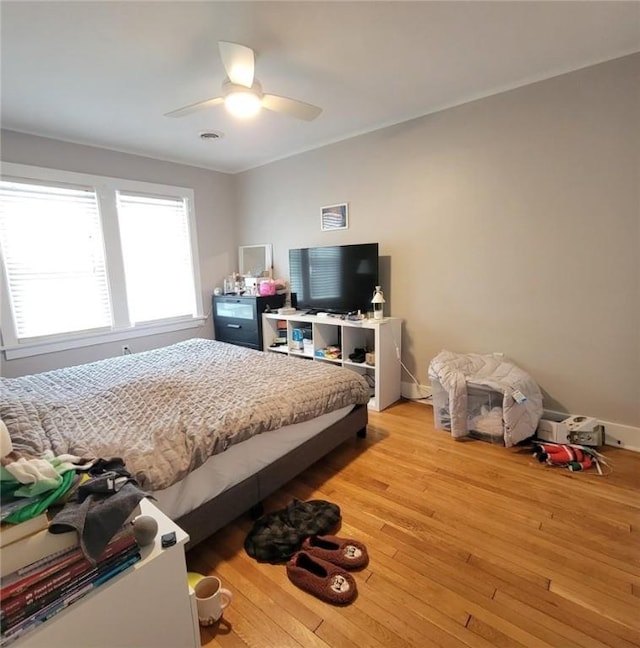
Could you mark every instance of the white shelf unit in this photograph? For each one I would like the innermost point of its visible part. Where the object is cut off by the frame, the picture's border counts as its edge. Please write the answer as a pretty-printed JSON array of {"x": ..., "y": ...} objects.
[{"x": 381, "y": 337}]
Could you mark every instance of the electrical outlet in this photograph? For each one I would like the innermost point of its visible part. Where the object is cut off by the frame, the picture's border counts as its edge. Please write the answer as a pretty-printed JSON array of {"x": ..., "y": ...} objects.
[{"x": 126, "y": 350}]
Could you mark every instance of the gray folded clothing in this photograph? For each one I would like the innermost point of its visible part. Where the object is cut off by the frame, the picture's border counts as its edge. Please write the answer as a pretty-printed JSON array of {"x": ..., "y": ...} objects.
[{"x": 98, "y": 517}]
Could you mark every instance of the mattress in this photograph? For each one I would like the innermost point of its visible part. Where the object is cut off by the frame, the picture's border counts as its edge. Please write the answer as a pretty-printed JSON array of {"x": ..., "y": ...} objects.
[{"x": 222, "y": 471}]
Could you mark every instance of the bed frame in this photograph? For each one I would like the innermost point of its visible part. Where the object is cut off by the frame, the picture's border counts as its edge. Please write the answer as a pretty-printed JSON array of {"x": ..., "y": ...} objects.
[{"x": 248, "y": 494}]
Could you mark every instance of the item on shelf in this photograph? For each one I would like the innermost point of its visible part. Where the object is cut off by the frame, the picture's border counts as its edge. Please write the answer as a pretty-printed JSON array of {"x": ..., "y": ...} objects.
[
  {"x": 229, "y": 285},
  {"x": 370, "y": 359},
  {"x": 330, "y": 353},
  {"x": 297, "y": 339},
  {"x": 358, "y": 355},
  {"x": 267, "y": 287},
  {"x": 251, "y": 285},
  {"x": 378, "y": 303}
]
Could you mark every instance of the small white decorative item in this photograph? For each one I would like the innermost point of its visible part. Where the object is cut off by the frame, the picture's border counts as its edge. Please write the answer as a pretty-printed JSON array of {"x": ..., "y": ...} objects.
[
  {"x": 334, "y": 217},
  {"x": 378, "y": 303}
]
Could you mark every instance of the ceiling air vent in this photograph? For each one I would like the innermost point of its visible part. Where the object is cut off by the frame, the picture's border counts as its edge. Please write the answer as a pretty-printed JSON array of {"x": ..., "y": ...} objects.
[{"x": 211, "y": 135}]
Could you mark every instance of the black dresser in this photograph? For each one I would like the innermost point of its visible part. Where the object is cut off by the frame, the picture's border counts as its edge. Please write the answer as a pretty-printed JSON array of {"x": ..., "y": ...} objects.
[{"x": 238, "y": 319}]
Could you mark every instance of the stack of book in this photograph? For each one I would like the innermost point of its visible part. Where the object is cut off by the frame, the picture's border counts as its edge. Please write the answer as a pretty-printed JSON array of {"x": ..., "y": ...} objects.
[
  {"x": 43, "y": 573},
  {"x": 282, "y": 328}
]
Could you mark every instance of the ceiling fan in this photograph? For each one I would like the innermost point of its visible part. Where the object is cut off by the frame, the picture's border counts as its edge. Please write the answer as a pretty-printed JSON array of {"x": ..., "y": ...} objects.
[{"x": 242, "y": 94}]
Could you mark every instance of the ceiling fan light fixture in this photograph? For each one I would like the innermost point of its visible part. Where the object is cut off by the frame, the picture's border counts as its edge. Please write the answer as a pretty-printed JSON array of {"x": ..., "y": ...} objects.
[
  {"x": 242, "y": 95},
  {"x": 243, "y": 103}
]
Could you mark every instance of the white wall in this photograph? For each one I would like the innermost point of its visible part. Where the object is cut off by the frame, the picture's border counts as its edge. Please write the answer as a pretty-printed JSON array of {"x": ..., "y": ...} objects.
[
  {"x": 214, "y": 205},
  {"x": 512, "y": 224}
]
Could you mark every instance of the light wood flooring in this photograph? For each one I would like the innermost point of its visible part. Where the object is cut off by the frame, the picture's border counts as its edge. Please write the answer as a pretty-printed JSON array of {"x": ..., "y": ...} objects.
[{"x": 470, "y": 544}]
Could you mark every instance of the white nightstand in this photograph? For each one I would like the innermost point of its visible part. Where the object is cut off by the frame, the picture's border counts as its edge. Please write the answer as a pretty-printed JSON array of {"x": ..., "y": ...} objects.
[{"x": 150, "y": 605}]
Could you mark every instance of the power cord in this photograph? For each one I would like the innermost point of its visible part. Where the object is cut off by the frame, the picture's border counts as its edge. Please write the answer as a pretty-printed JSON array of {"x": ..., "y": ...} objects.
[{"x": 420, "y": 388}]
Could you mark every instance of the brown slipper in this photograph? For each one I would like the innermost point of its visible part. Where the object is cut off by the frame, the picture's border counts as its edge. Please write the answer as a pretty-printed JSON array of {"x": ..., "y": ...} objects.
[
  {"x": 344, "y": 552},
  {"x": 323, "y": 579}
]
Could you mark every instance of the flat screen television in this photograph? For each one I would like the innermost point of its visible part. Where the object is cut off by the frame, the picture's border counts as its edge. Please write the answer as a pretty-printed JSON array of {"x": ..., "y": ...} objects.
[{"x": 334, "y": 279}]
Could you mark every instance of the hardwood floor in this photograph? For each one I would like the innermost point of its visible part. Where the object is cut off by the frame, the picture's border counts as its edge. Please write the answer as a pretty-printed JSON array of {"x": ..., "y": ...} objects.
[{"x": 470, "y": 544}]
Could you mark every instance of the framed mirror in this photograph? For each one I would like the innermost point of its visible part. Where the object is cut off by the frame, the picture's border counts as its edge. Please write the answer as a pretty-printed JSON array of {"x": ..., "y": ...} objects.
[{"x": 255, "y": 260}]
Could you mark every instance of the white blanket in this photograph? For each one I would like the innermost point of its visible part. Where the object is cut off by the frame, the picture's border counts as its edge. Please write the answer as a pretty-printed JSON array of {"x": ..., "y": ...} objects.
[{"x": 455, "y": 371}]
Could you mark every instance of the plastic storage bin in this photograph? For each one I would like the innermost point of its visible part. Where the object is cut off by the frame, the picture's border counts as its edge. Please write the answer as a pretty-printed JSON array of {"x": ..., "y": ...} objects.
[{"x": 484, "y": 411}]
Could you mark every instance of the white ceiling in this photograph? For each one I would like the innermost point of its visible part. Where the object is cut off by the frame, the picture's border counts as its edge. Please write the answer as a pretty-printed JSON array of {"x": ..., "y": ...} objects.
[{"x": 104, "y": 73}]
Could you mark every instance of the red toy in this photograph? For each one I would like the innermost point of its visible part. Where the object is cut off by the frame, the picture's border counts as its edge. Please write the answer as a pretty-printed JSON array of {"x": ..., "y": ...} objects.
[{"x": 573, "y": 457}]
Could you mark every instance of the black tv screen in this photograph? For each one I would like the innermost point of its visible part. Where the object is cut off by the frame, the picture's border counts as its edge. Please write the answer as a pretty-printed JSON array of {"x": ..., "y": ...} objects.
[{"x": 334, "y": 279}]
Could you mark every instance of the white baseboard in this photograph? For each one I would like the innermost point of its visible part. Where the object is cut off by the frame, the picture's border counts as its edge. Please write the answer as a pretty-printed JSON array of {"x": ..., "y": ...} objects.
[
  {"x": 411, "y": 391},
  {"x": 622, "y": 436},
  {"x": 615, "y": 434}
]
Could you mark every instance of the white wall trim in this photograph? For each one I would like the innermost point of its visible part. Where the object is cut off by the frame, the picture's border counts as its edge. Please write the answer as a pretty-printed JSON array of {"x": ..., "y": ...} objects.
[{"x": 622, "y": 436}]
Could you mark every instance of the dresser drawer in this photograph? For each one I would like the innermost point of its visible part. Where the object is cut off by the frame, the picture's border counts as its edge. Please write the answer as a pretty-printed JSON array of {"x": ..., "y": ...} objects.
[
  {"x": 238, "y": 319},
  {"x": 237, "y": 331},
  {"x": 235, "y": 308}
]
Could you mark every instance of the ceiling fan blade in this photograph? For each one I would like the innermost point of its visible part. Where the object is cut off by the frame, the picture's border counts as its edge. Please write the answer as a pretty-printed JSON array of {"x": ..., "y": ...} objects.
[
  {"x": 194, "y": 107},
  {"x": 291, "y": 107},
  {"x": 239, "y": 62}
]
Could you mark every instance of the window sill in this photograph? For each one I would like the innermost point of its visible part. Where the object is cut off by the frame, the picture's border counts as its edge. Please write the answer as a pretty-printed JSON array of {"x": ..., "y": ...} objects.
[{"x": 38, "y": 348}]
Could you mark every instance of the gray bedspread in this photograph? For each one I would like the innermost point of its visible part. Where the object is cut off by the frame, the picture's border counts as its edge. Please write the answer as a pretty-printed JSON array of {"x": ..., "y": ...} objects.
[{"x": 166, "y": 411}]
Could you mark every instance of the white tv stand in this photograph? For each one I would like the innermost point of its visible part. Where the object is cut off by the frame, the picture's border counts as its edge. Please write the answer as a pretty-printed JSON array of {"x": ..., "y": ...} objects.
[{"x": 381, "y": 337}]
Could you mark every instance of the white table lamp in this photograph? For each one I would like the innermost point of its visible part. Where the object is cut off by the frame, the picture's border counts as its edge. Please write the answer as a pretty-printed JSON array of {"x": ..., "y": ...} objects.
[{"x": 378, "y": 302}]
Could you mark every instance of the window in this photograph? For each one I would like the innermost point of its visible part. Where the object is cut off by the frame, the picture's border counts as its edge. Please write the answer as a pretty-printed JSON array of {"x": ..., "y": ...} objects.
[
  {"x": 54, "y": 259},
  {"x": 157, "y": 257},
  {"x": 86, "y": 257}
]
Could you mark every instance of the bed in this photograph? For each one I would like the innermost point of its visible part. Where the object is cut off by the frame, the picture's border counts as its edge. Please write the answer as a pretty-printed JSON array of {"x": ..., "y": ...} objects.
[{"x": 210, "y": 429}]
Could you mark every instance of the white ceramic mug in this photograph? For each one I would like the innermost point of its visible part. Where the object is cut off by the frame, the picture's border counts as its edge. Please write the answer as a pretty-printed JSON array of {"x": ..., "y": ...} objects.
[{"x": 211, "y": 599}]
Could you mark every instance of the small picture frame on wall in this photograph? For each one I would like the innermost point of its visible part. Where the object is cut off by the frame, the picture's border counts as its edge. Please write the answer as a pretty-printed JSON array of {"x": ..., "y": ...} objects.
[{"x": 334, "y": 217}]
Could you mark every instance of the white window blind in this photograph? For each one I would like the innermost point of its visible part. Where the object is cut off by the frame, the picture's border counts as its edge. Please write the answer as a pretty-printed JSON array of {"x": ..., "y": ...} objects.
[
  {"x": 156, "y": 251},
  {"x": 54, "y": 260}
]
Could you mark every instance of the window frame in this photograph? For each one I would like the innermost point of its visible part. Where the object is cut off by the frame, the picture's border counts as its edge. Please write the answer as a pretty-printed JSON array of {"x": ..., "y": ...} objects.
[{"x": 106, "y": 188}]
